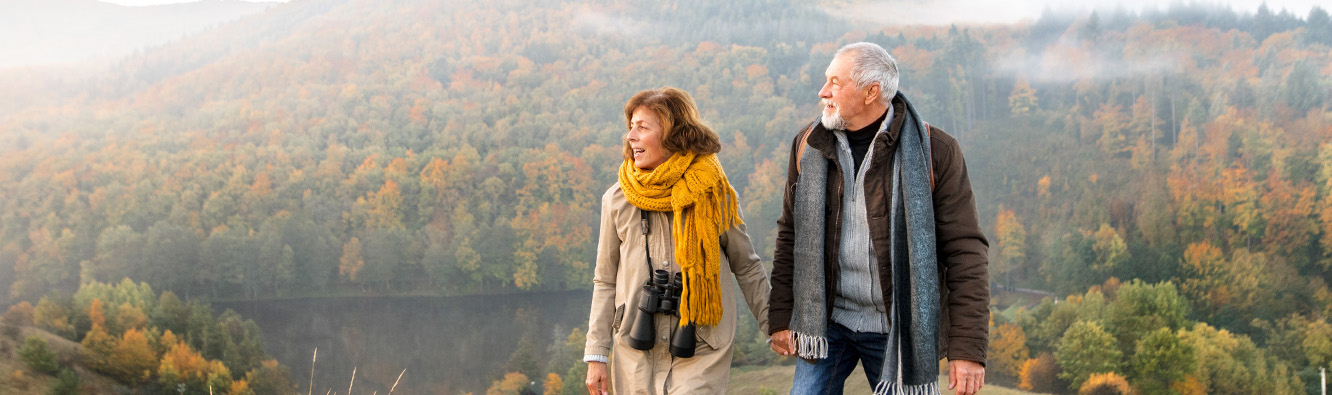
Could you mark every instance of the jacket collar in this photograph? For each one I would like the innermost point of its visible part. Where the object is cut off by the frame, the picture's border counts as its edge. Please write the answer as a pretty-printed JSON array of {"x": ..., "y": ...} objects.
[{"x": 823, "y": 139}]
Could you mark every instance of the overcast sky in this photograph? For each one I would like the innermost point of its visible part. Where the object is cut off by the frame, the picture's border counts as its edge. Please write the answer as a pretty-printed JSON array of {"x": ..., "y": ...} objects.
[
  {"x": 157, "y": 2},
  {"x": 972, "y": 11}
]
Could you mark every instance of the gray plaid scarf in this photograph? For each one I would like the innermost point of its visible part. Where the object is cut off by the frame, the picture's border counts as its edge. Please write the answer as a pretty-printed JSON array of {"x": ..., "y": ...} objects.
[{"x": 911, "y": 359}]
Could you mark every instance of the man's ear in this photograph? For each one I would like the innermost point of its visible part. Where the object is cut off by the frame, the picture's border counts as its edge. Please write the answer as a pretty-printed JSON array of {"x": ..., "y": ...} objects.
[{"x": 872, "y": 94}]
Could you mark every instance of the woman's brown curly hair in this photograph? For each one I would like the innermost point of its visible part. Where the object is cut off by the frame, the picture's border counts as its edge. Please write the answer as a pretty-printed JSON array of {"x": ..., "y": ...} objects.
[{"x": 683, "y": 130}]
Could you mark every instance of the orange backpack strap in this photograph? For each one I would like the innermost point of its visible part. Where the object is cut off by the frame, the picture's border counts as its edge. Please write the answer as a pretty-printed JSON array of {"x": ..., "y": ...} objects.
[
  {"x": 930, "y": 134},
  {"x": 804, "y": 141}
]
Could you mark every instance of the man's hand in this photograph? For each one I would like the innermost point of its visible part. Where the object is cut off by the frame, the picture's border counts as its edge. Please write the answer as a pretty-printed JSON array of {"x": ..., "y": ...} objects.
[
  {"x": 596, "y": 379},
  {"x": 780, "y": 343},
  {"x": 966, "y": 377}
]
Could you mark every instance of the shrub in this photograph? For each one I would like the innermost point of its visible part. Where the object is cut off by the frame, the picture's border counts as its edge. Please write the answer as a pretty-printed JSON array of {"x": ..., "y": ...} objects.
[
  {"x": 67, "y": 383},
  {"x": 38, "y": 356}
]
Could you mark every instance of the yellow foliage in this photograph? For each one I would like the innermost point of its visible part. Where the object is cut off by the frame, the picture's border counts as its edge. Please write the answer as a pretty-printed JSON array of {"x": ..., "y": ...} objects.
[
  {"x": 1108, "y": 383},
  {"x": 1190, "y": 386},
  {"x": 1008, "y": 350},
  {"x": 129, "y": 317},
  {"x": 240, "y": 387},
  {"x": 351, "y": 262},
  {"x": 512, "y": 384},
  {"x": 554, "y": 384},
  {"x": 185, "y": 362},
  {"x": 96, "y": 313},
  {"x": 1038, "y": 374},
  {"x": 132, "y": 360},
  {"x": 96, "y": 349}
]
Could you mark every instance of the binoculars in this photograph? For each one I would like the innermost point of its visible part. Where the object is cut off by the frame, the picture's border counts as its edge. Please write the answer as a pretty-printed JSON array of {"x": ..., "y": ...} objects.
[{"x": 661, "y": 295}]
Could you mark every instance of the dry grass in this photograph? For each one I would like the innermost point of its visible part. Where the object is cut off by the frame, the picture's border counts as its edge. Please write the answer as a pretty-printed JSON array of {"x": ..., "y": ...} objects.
[
  {"x": 752, "y": 380},
  {"x": 314, "y": 358},
  {"x": 17, "y": 379}
]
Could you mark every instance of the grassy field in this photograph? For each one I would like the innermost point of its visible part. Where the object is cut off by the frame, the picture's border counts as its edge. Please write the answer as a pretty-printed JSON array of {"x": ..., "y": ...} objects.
[{"x": 753, "y": 380}]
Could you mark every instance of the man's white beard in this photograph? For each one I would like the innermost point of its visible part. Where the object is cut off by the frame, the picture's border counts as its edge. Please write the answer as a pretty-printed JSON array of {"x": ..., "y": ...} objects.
[{"x": 832, "y": 121}]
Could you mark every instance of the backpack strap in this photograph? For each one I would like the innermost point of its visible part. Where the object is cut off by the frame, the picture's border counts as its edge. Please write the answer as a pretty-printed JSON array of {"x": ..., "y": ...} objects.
[{"x": 800, "y": 147}]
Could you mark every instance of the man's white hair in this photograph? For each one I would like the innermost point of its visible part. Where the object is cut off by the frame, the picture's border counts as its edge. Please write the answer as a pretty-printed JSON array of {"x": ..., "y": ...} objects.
[{"x": 870, "y": 64}]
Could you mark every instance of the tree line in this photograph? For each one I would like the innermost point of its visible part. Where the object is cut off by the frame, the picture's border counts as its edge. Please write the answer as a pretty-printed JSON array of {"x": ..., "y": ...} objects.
[{"x": 454, "y": 148}]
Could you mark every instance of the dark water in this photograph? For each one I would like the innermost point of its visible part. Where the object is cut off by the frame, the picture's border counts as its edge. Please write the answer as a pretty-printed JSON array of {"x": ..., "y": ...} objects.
[{"x": 448, "y": 345}]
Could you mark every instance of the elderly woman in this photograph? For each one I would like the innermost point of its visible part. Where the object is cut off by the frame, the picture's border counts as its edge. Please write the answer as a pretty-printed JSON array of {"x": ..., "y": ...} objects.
[{"x": 670, "y": 226}]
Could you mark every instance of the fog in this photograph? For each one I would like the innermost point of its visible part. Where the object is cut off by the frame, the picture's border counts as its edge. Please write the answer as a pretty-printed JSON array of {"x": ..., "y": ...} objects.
[
  {"x": 989, "y": 12},
  {"x": 73, "y": 31}
]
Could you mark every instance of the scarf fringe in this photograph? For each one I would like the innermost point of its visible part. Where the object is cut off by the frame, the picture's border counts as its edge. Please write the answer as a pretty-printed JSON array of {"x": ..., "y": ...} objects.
[
  {"x": 886, "y": 388},
  {"x": 811, "y": 347}
]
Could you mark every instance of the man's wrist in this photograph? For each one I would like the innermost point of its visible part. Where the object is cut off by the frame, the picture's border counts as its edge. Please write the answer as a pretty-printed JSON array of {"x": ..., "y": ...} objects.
[{"x": 596, "y": 358}]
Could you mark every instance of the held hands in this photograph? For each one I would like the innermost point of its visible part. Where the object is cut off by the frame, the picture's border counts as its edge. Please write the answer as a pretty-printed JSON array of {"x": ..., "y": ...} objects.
[
  {"x": 596, "y": 379},
  {"x": 781, "y": 343},
  {"x": 966, "y": 377}
]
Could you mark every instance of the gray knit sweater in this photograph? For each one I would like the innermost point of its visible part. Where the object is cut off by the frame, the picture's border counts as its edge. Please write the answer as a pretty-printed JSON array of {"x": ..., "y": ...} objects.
[{"x": 859, "y": 304}]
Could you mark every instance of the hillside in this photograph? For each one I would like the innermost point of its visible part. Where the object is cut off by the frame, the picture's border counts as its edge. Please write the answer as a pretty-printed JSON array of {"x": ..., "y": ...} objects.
[
  {"x": 356, "y": 147},
  {"x": 18, "y": 379}
]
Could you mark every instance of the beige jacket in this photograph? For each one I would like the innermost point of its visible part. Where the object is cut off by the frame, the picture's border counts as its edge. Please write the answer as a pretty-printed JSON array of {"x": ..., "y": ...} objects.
[{"x": 618, "y": 282}]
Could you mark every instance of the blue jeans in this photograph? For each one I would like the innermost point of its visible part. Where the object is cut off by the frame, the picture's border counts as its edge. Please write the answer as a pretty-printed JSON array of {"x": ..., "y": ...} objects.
[{"x": 845, "y": 347}]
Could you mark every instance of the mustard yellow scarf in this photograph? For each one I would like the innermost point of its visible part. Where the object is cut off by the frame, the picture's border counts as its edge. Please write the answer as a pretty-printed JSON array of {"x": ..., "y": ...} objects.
[{"x": 693, "y": 188}]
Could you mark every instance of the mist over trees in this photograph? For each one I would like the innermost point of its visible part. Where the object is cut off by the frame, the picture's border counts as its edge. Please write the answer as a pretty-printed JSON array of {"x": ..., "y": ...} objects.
[{"x": 384, "y": 148}]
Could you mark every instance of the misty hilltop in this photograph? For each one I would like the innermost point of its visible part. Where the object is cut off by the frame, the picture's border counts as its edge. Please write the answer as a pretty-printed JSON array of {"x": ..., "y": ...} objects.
[{"x": 65, "y": 31}]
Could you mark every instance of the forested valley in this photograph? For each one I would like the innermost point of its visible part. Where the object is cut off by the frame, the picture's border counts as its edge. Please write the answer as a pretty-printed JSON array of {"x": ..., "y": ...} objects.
[{"x": 1166, "y": 175}]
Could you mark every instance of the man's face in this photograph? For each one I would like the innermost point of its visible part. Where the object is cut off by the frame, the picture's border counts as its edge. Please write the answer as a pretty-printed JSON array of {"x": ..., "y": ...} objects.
[{"x": 841, "y": 99}]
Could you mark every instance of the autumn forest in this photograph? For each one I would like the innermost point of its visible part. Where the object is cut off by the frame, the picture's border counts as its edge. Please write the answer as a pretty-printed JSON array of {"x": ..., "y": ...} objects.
[{"x": 1165, "y": 175}]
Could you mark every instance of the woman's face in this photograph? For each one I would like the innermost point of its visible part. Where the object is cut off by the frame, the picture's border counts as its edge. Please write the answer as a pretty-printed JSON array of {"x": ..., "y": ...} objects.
[{"x": 645, "y": 139}]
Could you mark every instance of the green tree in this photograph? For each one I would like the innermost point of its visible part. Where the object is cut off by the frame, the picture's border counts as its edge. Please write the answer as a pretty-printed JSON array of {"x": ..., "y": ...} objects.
[
  {"x": 270, "y": 378},
  {"x": 1232, "y": 364},
  {"x": 1160, "y": 359},
  {"x": 119, "y": 249},
  {"x": 67, "y": 383},
  {"x": 38, "y": 356},
  {"x": 1084, "y": 350},
  {"x": 1140, "y": 308}
]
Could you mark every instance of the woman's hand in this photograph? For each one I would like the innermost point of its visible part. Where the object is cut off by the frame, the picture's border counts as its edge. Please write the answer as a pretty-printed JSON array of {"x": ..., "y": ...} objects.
[
  {"x": 780, "y": 343},
  {"x": 596, "y": 379}
]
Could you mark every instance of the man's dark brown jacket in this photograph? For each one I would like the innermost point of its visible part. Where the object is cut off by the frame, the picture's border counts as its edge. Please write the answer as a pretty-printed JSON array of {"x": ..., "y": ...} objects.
[{"x": 964, "y": 280}]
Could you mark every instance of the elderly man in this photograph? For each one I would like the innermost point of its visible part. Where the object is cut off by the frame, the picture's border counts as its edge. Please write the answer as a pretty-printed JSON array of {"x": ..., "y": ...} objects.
[{"x": 880, "y": 257}]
